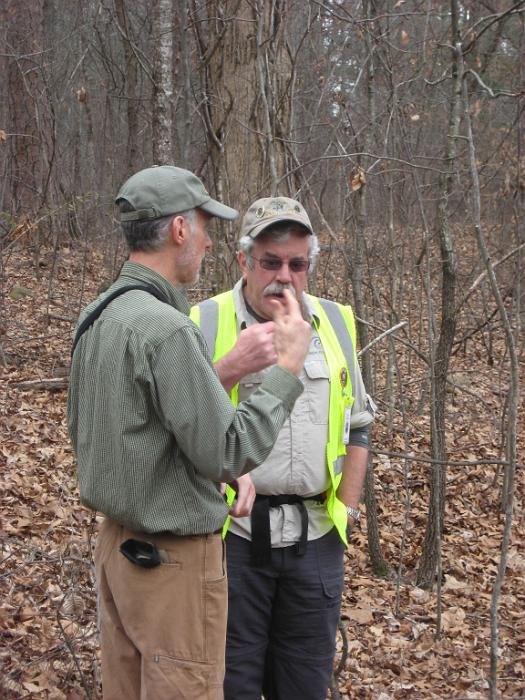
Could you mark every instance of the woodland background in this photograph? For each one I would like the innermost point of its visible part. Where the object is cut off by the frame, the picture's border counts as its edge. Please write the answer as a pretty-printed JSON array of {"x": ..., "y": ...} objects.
[{"x": 399, "y": 125}]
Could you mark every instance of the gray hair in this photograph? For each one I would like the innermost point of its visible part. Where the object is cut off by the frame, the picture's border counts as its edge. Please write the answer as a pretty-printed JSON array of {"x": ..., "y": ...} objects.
[
  {"x": 281, "y": 232},
  {"x": 149, "y": 235}
]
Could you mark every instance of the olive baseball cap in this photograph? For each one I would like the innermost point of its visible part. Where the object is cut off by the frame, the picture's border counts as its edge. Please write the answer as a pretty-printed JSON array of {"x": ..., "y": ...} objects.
[
  {"x": 272, "y": 210},
  {"x": 163, "y": 190}
]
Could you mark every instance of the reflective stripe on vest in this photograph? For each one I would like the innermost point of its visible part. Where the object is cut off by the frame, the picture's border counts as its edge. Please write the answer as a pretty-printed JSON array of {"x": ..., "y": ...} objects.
[
  {"x": 336, "y": 328},
  {"x": 218, "y": 324},
  {"x": 334, "y": 335}
]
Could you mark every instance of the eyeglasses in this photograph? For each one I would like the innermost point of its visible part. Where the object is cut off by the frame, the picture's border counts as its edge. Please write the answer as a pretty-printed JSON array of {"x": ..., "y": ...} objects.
[{"x": 274, "y": 264}]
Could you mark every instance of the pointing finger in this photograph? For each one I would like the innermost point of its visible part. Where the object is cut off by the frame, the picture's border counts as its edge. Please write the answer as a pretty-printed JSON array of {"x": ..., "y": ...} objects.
[
  {"x": 278, "y": 311},
  {"x": 291, "y": 305}
]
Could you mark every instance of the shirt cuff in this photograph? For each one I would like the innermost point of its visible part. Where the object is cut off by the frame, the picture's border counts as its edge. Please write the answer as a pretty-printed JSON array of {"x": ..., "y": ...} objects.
[{"x": 284, "y": 385}]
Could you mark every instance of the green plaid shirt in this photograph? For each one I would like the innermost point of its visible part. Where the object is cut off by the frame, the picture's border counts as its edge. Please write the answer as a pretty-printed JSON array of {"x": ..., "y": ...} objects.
[{"x": 152, "y": 428}]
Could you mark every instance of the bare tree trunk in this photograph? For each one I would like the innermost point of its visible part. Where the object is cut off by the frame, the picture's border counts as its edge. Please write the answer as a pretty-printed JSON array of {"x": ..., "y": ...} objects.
[
  {"x": 163, "y": 77},
  {"x": 269, "y": 64},
  {"x": 245, "y": 95},
  {"x": 132, "y": 150},
  {"x": 355, "y": 263},
  {"x": 431, "y": 552},
  {"x": 182, "y": 78},
  {"x": 24, "y": 44},
  {"x": 513, "y": 396}
]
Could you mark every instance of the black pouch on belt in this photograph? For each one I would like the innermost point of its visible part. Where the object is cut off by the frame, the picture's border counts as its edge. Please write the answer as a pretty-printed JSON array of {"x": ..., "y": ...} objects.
[{"x": 141, "y": 553}]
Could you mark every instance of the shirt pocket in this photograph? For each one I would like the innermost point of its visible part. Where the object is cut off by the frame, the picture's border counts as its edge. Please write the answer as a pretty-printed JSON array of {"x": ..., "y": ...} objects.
[{"x": 317, "y": 390}]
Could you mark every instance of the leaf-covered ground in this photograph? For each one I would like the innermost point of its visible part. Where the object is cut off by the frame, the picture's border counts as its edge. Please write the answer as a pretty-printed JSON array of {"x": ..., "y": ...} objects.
[{"x": 48, "y": 633}]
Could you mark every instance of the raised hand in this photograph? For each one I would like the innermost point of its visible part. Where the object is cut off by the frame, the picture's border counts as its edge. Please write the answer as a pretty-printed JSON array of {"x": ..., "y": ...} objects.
[
  {"x": 253, "y": 351},
  {"x": 255, "y": 347},
  {"x": 292, "y": 333}
]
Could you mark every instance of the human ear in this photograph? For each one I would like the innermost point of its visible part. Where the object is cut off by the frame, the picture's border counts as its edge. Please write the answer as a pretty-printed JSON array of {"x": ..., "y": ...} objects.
[
  {"x": 178, "y": 230},
  {"x": 242, "y": 262}
]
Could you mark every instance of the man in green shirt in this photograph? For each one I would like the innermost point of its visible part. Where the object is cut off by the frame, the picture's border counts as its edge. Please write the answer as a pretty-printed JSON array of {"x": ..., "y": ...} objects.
[{"x": 154, "y": 433}]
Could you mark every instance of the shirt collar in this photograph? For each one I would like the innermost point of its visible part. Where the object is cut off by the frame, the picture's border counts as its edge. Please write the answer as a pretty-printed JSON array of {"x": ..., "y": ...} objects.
[{"x": 135, "y": 272}]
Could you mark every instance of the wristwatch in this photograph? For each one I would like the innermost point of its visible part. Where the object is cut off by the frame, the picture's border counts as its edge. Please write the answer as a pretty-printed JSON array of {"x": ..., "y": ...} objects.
[{"x": 355, "y": 513}]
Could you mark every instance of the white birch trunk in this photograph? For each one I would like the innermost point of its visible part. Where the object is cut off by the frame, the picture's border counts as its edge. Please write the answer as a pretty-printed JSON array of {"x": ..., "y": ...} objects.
[{"x": 163, "y": 88}]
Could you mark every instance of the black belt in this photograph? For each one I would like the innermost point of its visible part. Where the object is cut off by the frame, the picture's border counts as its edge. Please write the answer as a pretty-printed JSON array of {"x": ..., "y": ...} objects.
[{"x": 261, "y": 549}]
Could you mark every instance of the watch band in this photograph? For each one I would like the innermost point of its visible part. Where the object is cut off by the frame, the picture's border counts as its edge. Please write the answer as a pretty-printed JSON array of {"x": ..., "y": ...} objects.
[{"x": 355, "y": 513}]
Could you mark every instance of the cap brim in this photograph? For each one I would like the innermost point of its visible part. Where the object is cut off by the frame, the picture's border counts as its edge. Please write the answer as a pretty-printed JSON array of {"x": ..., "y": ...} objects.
[
  {"x": 263, "y": 225},
  {"x": 221, "y": 211}
]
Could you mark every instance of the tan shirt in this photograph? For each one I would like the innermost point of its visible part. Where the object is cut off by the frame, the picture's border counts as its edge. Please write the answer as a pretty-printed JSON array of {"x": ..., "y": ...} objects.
[{"x": 297, "y": 462}]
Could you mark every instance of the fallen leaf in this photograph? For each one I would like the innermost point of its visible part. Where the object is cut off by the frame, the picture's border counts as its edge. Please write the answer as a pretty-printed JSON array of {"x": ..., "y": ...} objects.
[{"x": 362, "y": 616}]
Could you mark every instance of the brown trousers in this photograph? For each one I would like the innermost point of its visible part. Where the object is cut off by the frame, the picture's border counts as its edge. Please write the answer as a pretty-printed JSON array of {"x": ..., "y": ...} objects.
[{"x": 162, "y": 630}]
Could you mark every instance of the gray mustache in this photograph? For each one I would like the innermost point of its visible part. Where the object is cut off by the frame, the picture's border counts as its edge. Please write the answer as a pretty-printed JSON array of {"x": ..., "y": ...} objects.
[{"x": 277, "y": 288}]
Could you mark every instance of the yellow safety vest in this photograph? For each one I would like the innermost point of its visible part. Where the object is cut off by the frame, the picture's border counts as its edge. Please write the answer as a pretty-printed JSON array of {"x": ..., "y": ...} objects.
[{"x": 336, "y": 328}]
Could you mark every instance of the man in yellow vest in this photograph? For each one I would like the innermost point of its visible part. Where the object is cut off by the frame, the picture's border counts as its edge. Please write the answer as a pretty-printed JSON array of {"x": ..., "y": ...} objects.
[{"x": 285, "y": 560}]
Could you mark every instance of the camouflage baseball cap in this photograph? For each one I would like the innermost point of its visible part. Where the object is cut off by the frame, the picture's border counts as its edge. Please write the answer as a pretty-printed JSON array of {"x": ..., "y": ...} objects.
[
  {"x": 272, "y": 210},
  {"x": 163, "y": 190}
]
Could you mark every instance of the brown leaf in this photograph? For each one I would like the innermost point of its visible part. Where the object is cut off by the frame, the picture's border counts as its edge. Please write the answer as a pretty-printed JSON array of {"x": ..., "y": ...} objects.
[
  {"x": 26, "y": 614},
  {"x": 419, "y": 595},
  {"x": 452, "y": 584},
  {"x": 453, "y": 619},
  {"x": 363, "y": 616},
  {"x": 357, "y": 179}
]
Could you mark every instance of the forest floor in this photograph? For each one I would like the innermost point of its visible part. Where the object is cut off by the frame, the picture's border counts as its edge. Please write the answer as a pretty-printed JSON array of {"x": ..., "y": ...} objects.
[{"x": 48, "y": 635}]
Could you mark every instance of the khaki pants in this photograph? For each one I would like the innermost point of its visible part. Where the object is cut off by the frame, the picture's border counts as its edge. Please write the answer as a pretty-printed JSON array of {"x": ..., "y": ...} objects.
[{"x": 162, "y": 630}]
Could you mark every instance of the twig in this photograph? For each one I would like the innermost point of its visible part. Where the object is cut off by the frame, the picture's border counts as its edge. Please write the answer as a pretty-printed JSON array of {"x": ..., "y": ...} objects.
[
  {"x": 480, "y": 277},
  {"x": 499, "y": 93},
  {"x": 429, "y": 460},
  {"x": 403, "y": 341},
  {"x": 58, "y": 317},
  {"x": 380, "y": 337},
  {"x": 51, "y": 384},
  {"x": 3, "y": 358},
  {"x": 334, "y": 689},
  {"x": 71, "y": 650}
]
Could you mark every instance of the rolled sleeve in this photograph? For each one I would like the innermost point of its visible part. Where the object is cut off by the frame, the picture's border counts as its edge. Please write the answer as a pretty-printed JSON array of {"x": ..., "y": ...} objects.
[{"x": 363, "y": 408}]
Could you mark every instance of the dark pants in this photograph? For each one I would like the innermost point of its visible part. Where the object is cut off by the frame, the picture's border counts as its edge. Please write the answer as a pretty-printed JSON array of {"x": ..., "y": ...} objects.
[{"x": 282, "y": 620}]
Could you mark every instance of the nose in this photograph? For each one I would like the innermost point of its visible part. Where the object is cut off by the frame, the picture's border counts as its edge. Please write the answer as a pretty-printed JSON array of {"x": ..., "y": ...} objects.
[{"x": 284, "y": 275}]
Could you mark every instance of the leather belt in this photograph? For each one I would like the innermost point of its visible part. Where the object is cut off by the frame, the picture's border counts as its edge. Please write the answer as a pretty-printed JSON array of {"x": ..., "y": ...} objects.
[{"x": 261, "y": 548}]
